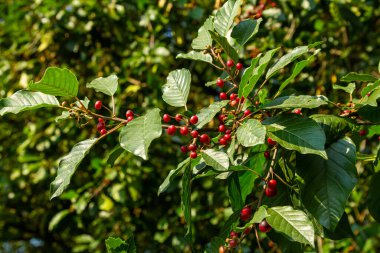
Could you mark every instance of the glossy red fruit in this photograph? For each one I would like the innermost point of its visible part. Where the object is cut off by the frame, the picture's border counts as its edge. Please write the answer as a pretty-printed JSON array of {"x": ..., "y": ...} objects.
[
  {"x": 247, "y": 112},
  {"x": 245, "y": 213},
  {"x": 297, "y": 111},
  {"x": 230, "y": 63},
  {"x": 98, "y": 105},
  {"x": 227, "y": 137},
  {"x": 103, "y": 131},
  {"x": 264, "y": 226},
  {"x": 193, "y": 155},
  {"x": 184, "y": 130},
  {"x": 267, "y": 154},
  {"x": 368, "y": 94},
  {"x": 194, "y": 134},
  {"x": 362, "y": 132},
  {"x": 194, "y": 119},
  {"x": 247, "y": 231},
  {"x": 270, "y": 192},
  {"x": 184, "y": 149},
  {"x": 222, "y": 128},
  {"x": 223, "y": 96},
  {"x": 221, "y": 117},
  {"x": 166, "y": 118},
  {"x": 271, "y": 142},
  {"x": 233, "y": 234},
  {"x": 100, "y": 126},
  {"x": 129, "y": 113},
  {"x": 239, "y": 66},
  {"x": 204, "y": 138},
  {"x": 192, "y": 147},
  {"x": 233, "y": 96},
  {"x": 171, "y": 130},
  {"x": 222, "y": 141},
  {"x": 101, "y": 120},
  {"x": 228, "y": 131},
  {"x": 272, "y": 183},
  {"x": 234, "y": 103},
  {"x": 178, "y": 117},
  {"x": 242, "y": 99},
  {"x": 232, "y": 243},
  {"x": 130, "y": 118},
  {"x": 220, "y": 82},
  {"x": 222, "y": 249}
]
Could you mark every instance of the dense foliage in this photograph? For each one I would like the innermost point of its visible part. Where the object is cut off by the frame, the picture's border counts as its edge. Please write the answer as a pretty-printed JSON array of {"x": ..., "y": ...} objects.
[{"x": 301, "y": 156}]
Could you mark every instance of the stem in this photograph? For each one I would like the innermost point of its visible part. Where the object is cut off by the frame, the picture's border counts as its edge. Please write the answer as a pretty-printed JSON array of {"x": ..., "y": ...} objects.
[
  {"x": 261, "y": 86},
  {"x": 113, "y": 106},
  {"x": 258, "y": 239},
  {"x": 110, "y": 131}
]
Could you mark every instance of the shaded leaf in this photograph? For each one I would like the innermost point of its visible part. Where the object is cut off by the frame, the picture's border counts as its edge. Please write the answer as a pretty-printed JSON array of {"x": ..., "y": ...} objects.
[
  {"x": 186, "y": 200},
  {"x": 225, "y": 16},
  {"x": 172, "y": 174},
  {"x": 228, "y": 49},
  {"x": 214, "y": 245},
  {"x": 234, "y": 192},
  {"x": 197, "y": 56},
  {"x": 251, "y": 133},
  {"x": 373, "y": 200},
  {"x": 248, "y": 72},
  {"x": 57, "y": 218},
  {"x": 177, "y": 87},
  {"x": 353, "y": 76},
  {"x": 205, "y": 115},
  {"x": 301, "y": 101},
  {"x": 342, "y": 230},
  {"x": 117, "y": 245},
  {"x": 245, "y": 30},
  {"x": 107, "y": 85},
  {"x": 216, "y": 159}
]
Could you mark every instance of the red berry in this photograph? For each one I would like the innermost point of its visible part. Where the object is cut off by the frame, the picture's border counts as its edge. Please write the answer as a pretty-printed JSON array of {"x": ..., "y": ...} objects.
[
  {"x": 227, "y": 137},
  {"x": 184, "y": 130},
  {"x": 194, "y": 134},
  {"x": 222, "y": 128},
  {"x": 242, "y": 99},
  {"x": 171, "y": 130},
  {"x": 368, "y": 94},
  {"x": 221, "y": 117},
  {"x": 178, "y": 117},
  {"x": 230, "y": 63},
  {"x": 100, "y": 120},
  {"x": 98, "y": 105},
  {"x": 247, "y": 231},
  {"x": 100, "y": 126},
  {"x": 129, "y": 113},
  {"x": 297, "y": 111},
  {"x": 239, "y": 66},
  {"x": 103, "y": 131},
  {"x": 192, "y": 147},
  {"x": 271, "y": 142},
  {"x": 233, "y": 244},
  {"x": 222, "y": 249},
  {"x": 247, "y": 112},
  {"x": 267, "y": 154},
  {"x": 245, "y": 213},
  {"x": 272, "y": 183},
  {"x": 223, "y": 96},
  {"x": 362, "y": 132},
  {"x": 193, "y": 155},
  {"x": 204, "y": 138},
  {"x": 270, "y": 192},
  {"x": 194, "y": 119},
  {"x": 233, "y": 96},
  {"x": 264, "y": 226},
  {"x": 234, "y": 103},
  {"x": 378, "y": 138},
  {"x": 228, "y": 131},
  {"x": 184, "y": 149},
  {"x": 130, "y": 118},
  {"x": 220, "y": 82},
  {"x": 222, "y": 141},
  {"x": 166, "y": 118},
  {"x": 233, "y": 234}
]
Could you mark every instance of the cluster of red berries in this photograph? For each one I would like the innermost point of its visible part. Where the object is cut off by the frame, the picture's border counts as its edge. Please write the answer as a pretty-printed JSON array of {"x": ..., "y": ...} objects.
[
  {"x": 271, "y": 188},
  {"x": 101, "y": 127}
]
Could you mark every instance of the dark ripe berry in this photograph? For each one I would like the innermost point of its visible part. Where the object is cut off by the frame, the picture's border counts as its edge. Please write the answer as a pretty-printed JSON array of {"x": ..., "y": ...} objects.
[
  {"x": 222, "y": 249},
  {"x": 223, "y": 96},
  {"x": 233, "y": 103},
  {"x": 100, "y": 126},
  {"x": 264, "y": 226},
  {"x": 184, "y": 149},
  {"x": 178, "y": 117},
  {"x": 98, "y": 105},
  {"x": 239, "y": 66},
  {"x": 130, "y": 118},
  {"x": 245, "y": 213},
  {"x": 247, "y": 112},
  {"x": 129, "y": 113},
  {"x": 230, "y": 63},
  {"x": 227, "y": 137},
  {"x": 193, "y": 155},
  {"x": 222, "y": 128},
  {"x": 222, "y": 141},
  {"x": 220, "y": 82},
  {"x": 362, "y": 132},
  {"x": 166, "y": 118},
  {"x": 171, "y": 130},
  {"x": 297, "y": 111},
  {"x": 233, "y": 234},
  {"x": 103, "y": 131},
  {"x": 272, "y": 183},
  {"x": 242, "y": 99},
  {"x": 233, "y": 96},
  {"x": 247, "y": 231},
  {"x": 232, "y": 243},
  {"x": 271, "y": 142},
  {"x": 228, "y": 131},
  {"x": 194, "y": 119},
  {"x": 221, "y": 117},
  {"x": 192, "y": 147},
  {"x": 267, "y": 154},
  {"x": 204, "y": 138},
  {"x": 184, "y": 130},
  {"x": 270, "y": 192},
  {"x": 100, "y": 120},
  {"x": 194, "y": 134}
]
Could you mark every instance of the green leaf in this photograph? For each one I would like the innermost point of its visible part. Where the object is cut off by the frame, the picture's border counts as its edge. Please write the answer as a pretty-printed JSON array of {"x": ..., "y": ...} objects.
[
  {"x": 228, "y": 49},
  {"x": 197, "y": 56},
  {"x": 257, "y": 73},
  {"x": 57, "y": 218},
  {"x": 57, "y": 82},
  {"x": 248, "y": 72},
  {"x": 214, "y": 245},
  {"x": 234, "y": 192},
  {"x": 291, "y": 222},
  {"x": 350, "y": 88},
  {"x": 247, "y": 183},
  {"x": 177, "y": 87},
  {"x": 186, "y": 200},
  {"x": 244, "y": 31},
  {"x": 373, "y": 200},
  {"x": 328, "y": 183},
  {"x": 376, "y": 163},
  {"x": 302, "y": 101},
  {"x": 374, "y": 95},
  {"x": 286, "y": 59},
  {"x": 294, "y": 132},
  {"x": 114, "y": 154},
  {"x": 342, "y": 230},
  {"x": 251, "y": 133},
  {"x": 230, "y": 224},
  {"x": 63, "y": 116},
  {"x": 203, "y": 40},
  {"x": 24, "y": 100},
  {"x": 148, "y": 128},
  {"x": 225, "y": 16},
  {"x": 117, "y": 245},
  {"x": 172, "y": 174},
  {"x": 216, "y": 159},
  {"x": 107, "y": 85},
  {"x": 67, "y": 166},
  {"x": 353, "y": 76},
  {"x": 205, "y": 115}
]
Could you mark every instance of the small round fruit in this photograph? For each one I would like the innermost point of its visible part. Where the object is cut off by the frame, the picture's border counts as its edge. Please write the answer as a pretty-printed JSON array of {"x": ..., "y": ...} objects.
[
  {"x": 222, "y": 249},
  {"x": 204, "y": 138},
  {"x": 103, "y": 131},
  {"x": 267, "y": 154},
  {"x": 233, "y": 234},
  {"x": 222, "y": 128},
  {"x": 220, "y": 82},
  {"x": 194, "y": 119},
  {"x": 171, "y": 130},
  {"x": 98, "y": 105},
  {"x": 101, "y": 120},
  {"x": 362, "y": 132},
  {"x": 230, "y": 63},
  {"x": 221, "y": 117},
  {"x": 271, "y": 142},
  {"x": 194, "y": 134},
  {"x": 178, "y": 117},
  {"x": 193, "y": 155},
  {"x": 184, "y": 149},
  {"x": 247, "y": 231},
  {"x": 227, "y": 137},
  {"x": 247, "y": 113},
  {"x": 129, "y": 113},
  {"x": 233, "y": 103},
  {"x": 272, "y": 183},
  {"x": 166, "y": 118},
  {"x": 228, "y": 131},
  {"x": 297, "y": 111},
  {"x": 192, "y": 147},
  {"x": 270, "y": 192},
  {"x": 233, "y": 96},
  {"x": 130, "y": 118},
  {"x": 239, "y": 66},
  {"x": 223, "y": 96},
  {"x": 100, "y": 126},
  {"x": 222, "y": 141},
  {"x": 264, "y": 226},
  {"x": 184, "y": 130},
  {"x": 368, "y": 94},
  {"x": 232, "y": 243},
  {"x": 245, "y": 213}
]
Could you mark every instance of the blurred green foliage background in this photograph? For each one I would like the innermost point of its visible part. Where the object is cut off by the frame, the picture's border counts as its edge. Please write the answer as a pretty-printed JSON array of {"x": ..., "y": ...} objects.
[{"x": 138, "y": 40}]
